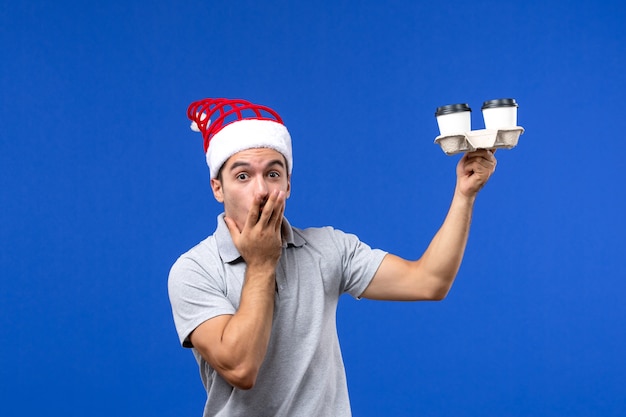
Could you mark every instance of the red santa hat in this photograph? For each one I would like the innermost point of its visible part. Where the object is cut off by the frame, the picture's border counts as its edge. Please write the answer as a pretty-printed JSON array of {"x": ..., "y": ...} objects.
[{"x": 237, "y": 125}]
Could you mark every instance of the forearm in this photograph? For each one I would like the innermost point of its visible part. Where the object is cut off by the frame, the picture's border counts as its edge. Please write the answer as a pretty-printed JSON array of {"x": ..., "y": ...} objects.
[
  {"x": 247, "y": 333},
  {"x": 431, "y": 276},
  {"x": 442, "y": 259},
  {"x": 235, "y": 345}
]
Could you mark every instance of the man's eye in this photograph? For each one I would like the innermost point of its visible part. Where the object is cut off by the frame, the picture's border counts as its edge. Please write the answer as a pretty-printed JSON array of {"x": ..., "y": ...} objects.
[
  {"x": 242, "y": 176},
  {"x": 274, "y": 174}
]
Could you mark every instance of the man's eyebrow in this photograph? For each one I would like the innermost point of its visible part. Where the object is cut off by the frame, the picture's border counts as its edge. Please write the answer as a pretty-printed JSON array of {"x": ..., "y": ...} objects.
[
  {"x": 276, "y": 162},
  {"x": 239, "y": 164}
]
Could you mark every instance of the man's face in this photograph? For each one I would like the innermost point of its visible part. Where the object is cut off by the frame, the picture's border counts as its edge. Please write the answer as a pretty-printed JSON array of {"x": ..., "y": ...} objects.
[{"x": 246, "y": 174}]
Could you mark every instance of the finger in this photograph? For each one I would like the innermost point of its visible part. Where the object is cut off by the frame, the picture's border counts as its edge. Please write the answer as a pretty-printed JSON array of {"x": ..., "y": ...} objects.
[
  {"x": 268, "y": 207},
  {"x": 480, "y": 153},
  {"x": 477, "y": 169},
  {"x": 254, "y": 211},
  {"x": 232, "y": 227},
  {"x": 493, "y": 159},
  {"x": 278, "y": 219},
  {"x": 276, "y": 210},
  {"x": 482, "y": 162},
  {"x": 484, "y": 158},
  {"x": 273, "y": 208}
]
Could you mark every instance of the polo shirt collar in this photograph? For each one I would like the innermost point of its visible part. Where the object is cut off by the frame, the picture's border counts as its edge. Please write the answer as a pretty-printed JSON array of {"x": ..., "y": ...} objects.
[{"x": 226, "y": 247}]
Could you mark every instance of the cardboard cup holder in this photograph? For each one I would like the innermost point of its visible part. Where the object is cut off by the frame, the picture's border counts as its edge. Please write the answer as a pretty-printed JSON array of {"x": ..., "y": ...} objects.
[{"x": 480, "y": 139}]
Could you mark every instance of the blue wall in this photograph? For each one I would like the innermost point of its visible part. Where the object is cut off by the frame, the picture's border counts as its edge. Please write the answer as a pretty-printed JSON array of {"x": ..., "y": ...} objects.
[{"x": 104, "y": 185}]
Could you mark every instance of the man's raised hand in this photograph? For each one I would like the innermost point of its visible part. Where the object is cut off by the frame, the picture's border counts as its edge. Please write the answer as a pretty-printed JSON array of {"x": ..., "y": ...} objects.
[{"x": 260, "y": 240}]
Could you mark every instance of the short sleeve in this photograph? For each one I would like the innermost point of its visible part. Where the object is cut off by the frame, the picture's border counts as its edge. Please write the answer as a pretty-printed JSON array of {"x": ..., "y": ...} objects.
[
  {"x": 359, "y": 262},
  {"x": 196, "y": 295}
]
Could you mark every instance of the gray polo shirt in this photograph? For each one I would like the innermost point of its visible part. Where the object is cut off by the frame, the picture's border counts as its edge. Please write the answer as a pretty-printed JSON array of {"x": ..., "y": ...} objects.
[{"x": 303, "y": 372}]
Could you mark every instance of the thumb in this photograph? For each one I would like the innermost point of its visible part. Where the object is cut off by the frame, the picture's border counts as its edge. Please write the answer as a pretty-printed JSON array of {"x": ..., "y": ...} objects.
[{"x": 232, "y": 226}]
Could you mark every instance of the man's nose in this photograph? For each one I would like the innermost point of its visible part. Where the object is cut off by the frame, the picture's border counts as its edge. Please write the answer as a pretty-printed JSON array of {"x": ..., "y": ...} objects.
[{"x": 261, "y": 186}]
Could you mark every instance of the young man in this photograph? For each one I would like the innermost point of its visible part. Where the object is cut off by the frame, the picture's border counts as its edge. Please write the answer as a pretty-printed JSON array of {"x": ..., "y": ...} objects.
[{"x": 256, "y": 301}]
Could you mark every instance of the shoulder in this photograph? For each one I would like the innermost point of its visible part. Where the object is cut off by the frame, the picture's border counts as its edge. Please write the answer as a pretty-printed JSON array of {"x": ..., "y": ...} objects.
[
  {"x": 199, "y": 260},
  {"x": 330, "y": 240},
  {"x": 323, "y": 233},
  {"x": 200, "y": 251}
]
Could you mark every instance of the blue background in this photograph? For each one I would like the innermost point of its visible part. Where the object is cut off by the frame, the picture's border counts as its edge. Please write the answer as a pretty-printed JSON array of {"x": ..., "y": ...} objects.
[{"x": 103, "y": 186}]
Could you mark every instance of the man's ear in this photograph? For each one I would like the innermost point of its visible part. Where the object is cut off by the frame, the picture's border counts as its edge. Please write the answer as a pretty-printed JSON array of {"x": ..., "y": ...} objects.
[
  {"x": 288, "y": 193},
  {"x": 218, "y": 191}
]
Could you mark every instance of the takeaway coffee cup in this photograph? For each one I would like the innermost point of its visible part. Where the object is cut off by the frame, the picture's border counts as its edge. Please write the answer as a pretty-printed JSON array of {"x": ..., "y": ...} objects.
[
  {"x": 500, "y": 113},
  {"x": 454, "y": 119}
]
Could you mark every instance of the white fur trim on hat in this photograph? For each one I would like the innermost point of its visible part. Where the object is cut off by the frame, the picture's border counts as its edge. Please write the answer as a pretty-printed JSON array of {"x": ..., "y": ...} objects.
[{"x": 248, "y": 134}]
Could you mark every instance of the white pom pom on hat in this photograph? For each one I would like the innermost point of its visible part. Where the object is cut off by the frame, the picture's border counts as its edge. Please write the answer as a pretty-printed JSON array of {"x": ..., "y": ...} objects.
[{"x": 237, "y": 125}]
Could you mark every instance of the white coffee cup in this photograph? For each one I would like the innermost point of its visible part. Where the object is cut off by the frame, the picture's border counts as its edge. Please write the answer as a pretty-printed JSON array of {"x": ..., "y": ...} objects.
[
  {"x": 500, "y": 113},
  {"x": 454, "y": 119}
]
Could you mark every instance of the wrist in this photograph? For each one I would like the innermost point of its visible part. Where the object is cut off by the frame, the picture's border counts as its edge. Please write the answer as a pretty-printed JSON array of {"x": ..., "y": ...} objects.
[
  {"x": 463, "y": 199},
  {"x": 261, "y": 270}
]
